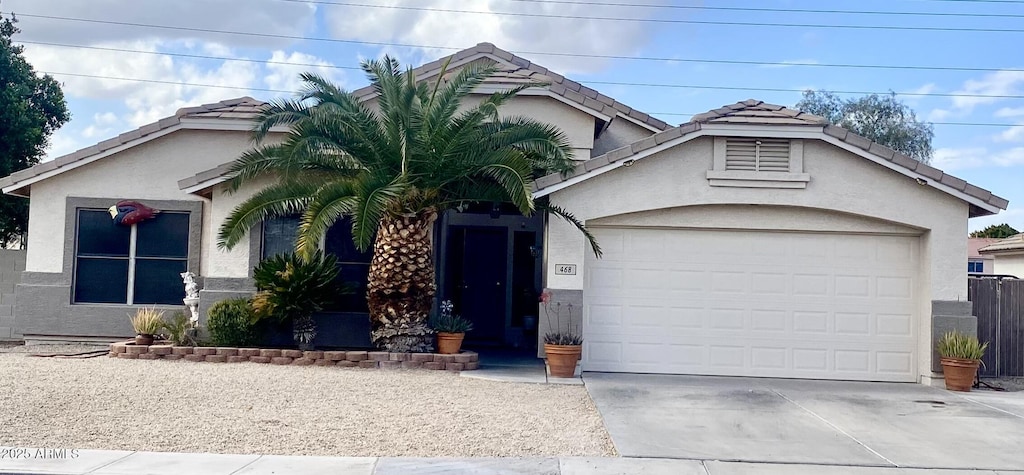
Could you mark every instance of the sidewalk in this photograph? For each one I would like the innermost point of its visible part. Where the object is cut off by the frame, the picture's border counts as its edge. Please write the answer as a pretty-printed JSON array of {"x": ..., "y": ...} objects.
[{"x": 114, "y": 462}]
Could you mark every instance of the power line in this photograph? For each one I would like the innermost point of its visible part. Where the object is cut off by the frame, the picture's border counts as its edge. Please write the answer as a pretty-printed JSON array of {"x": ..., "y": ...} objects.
[
  {"x": 634, "y": 84},
  {"x": 649, "y": 20},
  {"x": 654, "y": 20},
  {"x": 246, "y": 88},
  {"x": 202, "y": 56},
  {"x": 682, "y": 7},
  {"x": 681, "y": 60}
]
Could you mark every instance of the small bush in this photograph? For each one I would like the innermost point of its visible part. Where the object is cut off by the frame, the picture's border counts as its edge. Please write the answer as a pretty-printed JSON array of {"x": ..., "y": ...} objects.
[
  {"x": 147, "y": 321},
  {"x": 179, "y": 330},
  {"x": 231, "y": 323},
  {"x": 958, "y": 345}
]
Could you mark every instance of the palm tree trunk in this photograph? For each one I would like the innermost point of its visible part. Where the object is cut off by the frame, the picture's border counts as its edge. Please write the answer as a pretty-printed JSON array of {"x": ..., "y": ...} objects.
[{"x": 400, "y": 290}]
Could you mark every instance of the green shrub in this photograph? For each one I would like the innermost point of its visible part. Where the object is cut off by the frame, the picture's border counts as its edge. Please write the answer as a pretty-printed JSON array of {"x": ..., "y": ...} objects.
[
  {"x": 231, "y": 323},
  {"x": 179, "y": 330},
  {"x": 292, "y": 287},
  {"x": 958, "y": 345}
]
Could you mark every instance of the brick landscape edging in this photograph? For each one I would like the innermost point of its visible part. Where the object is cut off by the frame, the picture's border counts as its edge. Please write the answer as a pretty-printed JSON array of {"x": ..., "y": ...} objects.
[{"x": 465, "y": 361}]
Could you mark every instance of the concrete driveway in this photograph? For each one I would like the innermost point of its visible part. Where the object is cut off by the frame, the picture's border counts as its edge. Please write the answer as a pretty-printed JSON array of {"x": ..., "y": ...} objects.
[{"x": 809, "y": 422}]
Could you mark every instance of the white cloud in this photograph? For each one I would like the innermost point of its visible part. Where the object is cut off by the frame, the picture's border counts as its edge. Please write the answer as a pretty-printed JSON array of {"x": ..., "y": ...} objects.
[
  {"x": 1012, "y": 134},
  {"x": 145, "y": 101},
  {"x": 999, "y": 83},
  {"x": 102, "y": 124},
  {"x": 950, "y": 159},
  {"x": 1010, "y": 112},
  {"x": 285, "y": 77},
  {"x": 1009, "y": 157},
  {"x": 257, "y": 16},
  {"x": 937, "y": 115},
  {"x": 455, "y": 30}
]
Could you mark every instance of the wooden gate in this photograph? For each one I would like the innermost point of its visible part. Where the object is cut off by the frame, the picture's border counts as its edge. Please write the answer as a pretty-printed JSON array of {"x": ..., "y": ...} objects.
[{"x": 999, "y": 306}]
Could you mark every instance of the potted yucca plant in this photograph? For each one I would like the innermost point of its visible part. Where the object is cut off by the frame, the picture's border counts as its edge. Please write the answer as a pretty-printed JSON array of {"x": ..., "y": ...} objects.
[
  {"x": 562, "y": 348},
  {"x": 451, "y": 329},
  {"x": 960, "y": 357},
  {"x": 147, "y": 322}
]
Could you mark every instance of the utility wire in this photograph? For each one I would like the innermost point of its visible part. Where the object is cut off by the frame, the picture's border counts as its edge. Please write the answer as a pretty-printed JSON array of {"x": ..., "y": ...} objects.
[
  {"x": 641, "y": 84},
  {"x": 677, "y": 7},
  {"x": 681, "y": 60},
  {"x": 648, "y": 20},
  {"x": 246, "y": 88}
]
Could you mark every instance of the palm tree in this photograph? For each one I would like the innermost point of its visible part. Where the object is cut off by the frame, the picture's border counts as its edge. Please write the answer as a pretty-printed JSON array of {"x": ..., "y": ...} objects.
[{"x": 392, "y": 170}]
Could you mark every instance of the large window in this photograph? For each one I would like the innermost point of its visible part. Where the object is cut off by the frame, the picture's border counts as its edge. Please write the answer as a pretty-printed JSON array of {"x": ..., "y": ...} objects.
[
  {"x": 279, "y": 238},
  {"x": 135, "y": 265}
]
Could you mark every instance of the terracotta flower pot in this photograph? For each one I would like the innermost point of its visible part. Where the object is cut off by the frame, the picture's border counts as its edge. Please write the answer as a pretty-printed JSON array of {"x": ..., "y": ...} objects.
[
  {"x": 449, "y": 343},
  {"x": 959, "y": 373},
  {"x": 562, "y": 359},
  {"x": 143, "y": 339}
]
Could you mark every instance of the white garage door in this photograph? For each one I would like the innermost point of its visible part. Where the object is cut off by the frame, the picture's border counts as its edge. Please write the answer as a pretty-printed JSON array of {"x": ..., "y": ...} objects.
[{"x": 794, "y": 305}]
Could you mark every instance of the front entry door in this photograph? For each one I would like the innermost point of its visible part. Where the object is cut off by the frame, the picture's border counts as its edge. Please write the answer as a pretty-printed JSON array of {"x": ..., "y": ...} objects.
[{"x": 478, "y": 277}]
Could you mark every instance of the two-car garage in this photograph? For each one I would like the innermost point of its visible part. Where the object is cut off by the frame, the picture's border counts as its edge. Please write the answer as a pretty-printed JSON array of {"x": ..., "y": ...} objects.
[{"x": 752, "y": 303}]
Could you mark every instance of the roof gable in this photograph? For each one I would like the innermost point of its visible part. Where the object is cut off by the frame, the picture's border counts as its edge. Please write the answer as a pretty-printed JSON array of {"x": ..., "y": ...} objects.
[
  {"x": 753, "y": 113},
  {"x": 238, "y": 114}
]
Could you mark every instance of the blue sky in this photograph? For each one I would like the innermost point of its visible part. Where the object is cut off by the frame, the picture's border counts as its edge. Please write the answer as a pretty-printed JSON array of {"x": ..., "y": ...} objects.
[{"x": 988, "y": 156}]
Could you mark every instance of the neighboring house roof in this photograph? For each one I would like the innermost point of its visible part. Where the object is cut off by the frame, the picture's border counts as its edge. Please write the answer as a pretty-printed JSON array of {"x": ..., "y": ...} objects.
[
  {"x": 1012, "y": 244},
  {"x": 973, "y": 244},
  {"x": 237, "y": 114},
  {"x": 241, "y": 111},
  {"x": 753, "y": 112}
]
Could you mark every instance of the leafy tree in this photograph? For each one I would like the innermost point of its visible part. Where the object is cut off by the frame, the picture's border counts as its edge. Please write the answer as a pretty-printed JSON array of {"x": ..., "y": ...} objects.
[
  {"x": 998, "y": 231},
  {"x": 880, "y": 118},
  {"x": 31, "y": 108},
  {"x": 393, "y": 169}
]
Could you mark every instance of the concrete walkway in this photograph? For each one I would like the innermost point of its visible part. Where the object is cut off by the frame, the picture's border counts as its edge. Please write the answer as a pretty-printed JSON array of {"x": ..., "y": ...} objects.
[{"x": 113, "y": 462}]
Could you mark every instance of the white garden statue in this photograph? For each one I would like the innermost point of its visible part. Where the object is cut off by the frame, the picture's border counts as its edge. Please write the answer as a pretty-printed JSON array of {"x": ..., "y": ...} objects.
[{"x": 191, "y": 299}]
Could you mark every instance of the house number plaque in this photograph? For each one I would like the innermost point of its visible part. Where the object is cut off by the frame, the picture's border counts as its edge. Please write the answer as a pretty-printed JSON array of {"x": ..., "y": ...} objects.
[{"x": 565, "y": 269}]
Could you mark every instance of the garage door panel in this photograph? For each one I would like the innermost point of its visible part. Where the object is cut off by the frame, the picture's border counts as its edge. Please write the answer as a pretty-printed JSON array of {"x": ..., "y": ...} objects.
[{"x": 756, "y": 304}]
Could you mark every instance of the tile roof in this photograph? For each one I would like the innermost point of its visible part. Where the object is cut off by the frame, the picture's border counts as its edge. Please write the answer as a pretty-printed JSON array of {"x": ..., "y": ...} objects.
[
  {"x": 523, "y": 71},
  {"x": 247, "y": 108},
  {"x": 242, "y": 108},
  {"x": 755, "y": 112},
  {"x": 1012, "y": 243}
]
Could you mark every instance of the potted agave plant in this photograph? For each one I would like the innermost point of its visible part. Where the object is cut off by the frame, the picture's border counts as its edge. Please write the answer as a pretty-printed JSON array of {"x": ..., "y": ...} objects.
[
  {"x": 562, "y": 347},
  {"x": 451, "y": 329},
  {"x": 960, "y": 357},
  {"x": 146, "y": 322}
]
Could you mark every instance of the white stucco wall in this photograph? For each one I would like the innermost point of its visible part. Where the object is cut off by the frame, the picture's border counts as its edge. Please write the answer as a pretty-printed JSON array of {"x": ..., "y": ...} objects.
[
  {"x": 234, "y": 263},
  {"x": 1012, "y": 264},
  {"x": 148, "y": 171},
  {"x": 577, "y": 125},
  {"x": 846, "y": 193},
  {"x": 619, "y": 133}
]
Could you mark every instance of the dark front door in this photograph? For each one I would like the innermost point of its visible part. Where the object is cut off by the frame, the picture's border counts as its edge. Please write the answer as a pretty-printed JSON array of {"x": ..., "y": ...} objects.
[{"x": 479, "y": 269}]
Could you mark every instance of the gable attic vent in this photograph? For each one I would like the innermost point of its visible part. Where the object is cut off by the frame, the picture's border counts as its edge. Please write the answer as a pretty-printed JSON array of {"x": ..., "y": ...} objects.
[{"x": 757, "y": 155}]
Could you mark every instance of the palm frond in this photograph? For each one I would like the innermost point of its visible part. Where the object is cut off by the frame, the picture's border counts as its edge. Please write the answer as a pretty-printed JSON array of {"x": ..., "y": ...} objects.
[
  {"x": 571, "y": 219},
  {"x": 282, "y": 199},
  {"x": 331, "y": 202},
  {"x": 374, "y": 200}
]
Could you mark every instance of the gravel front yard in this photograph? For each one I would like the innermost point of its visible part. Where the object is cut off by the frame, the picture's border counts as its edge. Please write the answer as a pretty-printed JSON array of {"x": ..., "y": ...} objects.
[{"x": 104, "y": 403}]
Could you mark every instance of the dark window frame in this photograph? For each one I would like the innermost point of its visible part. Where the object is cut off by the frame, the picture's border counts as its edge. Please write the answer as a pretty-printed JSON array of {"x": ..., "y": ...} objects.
[{"x": 132, "y": 258}]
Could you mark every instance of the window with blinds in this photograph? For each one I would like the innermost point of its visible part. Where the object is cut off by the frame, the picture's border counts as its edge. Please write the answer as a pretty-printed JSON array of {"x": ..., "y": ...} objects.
[{"x": 757, "y": 155}]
